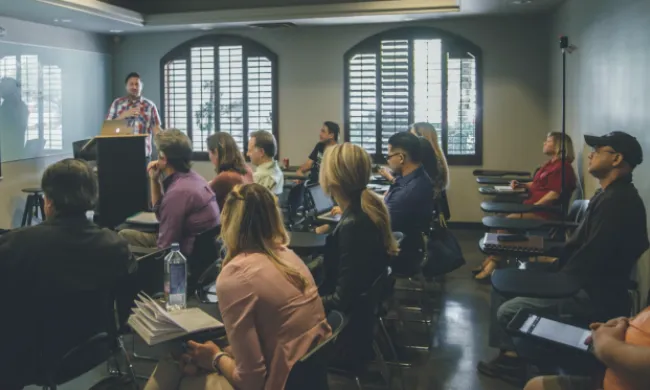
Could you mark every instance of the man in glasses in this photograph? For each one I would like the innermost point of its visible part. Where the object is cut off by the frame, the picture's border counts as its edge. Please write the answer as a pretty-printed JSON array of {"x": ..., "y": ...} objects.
[
  {"x": 409, "y": 199},
  {"x": 600, "y": 254}
]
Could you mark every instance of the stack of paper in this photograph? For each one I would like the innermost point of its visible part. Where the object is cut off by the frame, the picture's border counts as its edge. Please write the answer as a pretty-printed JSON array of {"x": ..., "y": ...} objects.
[
  {"x": 507, "y": 189},
  {"x": 155, "y": 325}
]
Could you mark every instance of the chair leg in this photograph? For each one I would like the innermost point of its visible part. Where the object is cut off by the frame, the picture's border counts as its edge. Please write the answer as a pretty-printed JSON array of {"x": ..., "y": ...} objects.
[
  {"x": 28, "y": 208},
  {"x": 32, "y": 206},
  {"x": 358, "y": 382},
  {"x": 129, "y": 364},
  {"x": 41, "y": 205},
  {"x": 383, "y": 368}
]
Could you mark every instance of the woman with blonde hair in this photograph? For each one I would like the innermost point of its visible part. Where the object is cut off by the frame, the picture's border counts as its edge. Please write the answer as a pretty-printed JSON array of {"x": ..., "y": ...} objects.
[
  {"x": 268, "y": 300},
  {"x": 358, "y": 250},
  {"x": 544, "y": 190},
  {"x": 229, "y": 164},
  {"x": 427, "y": 131}
]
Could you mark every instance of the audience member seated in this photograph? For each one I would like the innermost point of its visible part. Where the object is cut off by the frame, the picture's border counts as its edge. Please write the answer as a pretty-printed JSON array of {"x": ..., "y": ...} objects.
[
  {"x": 64, "y": 254},
  {"x": 544, "y": 190},
  {"x": 409, "y": 199},
  {"x": 358, "y": 250},
  {"x": 600, "y": 254},
  {"x": 623, "y": 346},
  {"x": 183, "y": 201},
  {"x": 229, "y": 164},
  {"x": 441, "y": 178},
  {"x": 329, "y": 135},
  {"x": 262, "y": 149},
  {"x": 268, "y": 300}
]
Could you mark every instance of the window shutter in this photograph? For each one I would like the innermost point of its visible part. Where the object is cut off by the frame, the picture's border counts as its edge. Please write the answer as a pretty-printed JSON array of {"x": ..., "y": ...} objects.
[
  {"x": 175, "y": 87},
  {"x": 9, "y": 67},
  {"x": 29, "y": 87},
  {"x": 231, "y": 93},
  {"x": 260, "y": 94},
  {"x": 203, "y": 106},
  {"x": 52, "y": 97},
  {"x": 461, "y": 98},
  {"x": 362, "y": 74},
  {"x": 427, "y": 81},
  {"x": 395, "y": 59}
]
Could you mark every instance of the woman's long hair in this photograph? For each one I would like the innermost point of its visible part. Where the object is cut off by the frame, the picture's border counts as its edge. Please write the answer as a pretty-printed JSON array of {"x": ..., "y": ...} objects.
[
  {"x": 570, "y": 153},
  {"x": 251, "y": 223},
  {"x": 345, "y": 173},
  {"x": 426, "y": 130},
  {"x": 230, "y": 158}
]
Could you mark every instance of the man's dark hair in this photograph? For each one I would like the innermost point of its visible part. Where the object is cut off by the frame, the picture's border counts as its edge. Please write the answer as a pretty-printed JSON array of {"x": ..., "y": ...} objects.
[
  {"x": 333, "y": 128},
  {"x": 265, "y": 141},
  {"x": 176, "y": 147},
  {"x": 130, "y": 76},
  {"x": 407, "y": 143},
  {"x": 71, "y": 185}
]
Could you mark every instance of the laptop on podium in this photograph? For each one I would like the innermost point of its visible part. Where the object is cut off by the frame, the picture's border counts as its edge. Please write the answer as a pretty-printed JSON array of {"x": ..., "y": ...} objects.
[{"x": 116, "y": 127}]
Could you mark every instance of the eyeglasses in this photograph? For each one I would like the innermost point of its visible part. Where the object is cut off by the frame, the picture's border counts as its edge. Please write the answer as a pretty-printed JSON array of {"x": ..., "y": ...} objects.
[{"x": 389, "y": 156}]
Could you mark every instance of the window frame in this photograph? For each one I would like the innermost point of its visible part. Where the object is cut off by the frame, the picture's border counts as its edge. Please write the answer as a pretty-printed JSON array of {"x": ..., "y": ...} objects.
[
  {"x": 450, "y": 42},
  {"x": 250, "y": 48}
]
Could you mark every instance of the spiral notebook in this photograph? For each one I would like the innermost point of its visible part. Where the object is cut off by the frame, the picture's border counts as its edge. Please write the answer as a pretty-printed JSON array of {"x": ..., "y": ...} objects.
[{"x": 532, "y": 244}]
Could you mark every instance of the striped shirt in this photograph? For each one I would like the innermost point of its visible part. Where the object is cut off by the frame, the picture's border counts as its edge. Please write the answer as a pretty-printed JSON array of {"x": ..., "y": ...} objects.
[{"x": 144, "y": 123}]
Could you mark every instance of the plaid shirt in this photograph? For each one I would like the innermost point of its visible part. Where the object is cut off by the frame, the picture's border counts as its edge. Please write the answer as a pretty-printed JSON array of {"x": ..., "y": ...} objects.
[{"x": 143, "y": 123}]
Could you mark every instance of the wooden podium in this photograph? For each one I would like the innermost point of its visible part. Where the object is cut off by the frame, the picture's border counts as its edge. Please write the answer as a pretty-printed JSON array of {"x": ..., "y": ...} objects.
[{"x": 122, "y": 177}]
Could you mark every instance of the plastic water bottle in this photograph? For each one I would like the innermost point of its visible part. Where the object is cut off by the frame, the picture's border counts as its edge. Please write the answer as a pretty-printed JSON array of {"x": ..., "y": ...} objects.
[{"x": 175, "y": 279}]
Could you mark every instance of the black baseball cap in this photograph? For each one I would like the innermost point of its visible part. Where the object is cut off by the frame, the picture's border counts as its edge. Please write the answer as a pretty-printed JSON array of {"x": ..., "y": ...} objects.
[{"x": 622, "y": 143}]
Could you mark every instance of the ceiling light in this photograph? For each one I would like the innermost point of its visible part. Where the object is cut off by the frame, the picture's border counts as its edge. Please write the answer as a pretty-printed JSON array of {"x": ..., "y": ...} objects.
[
  {"x": 116, "y": 31},
  {"x": 62, "y": 20},
  {"x": 522, "y": 2}
]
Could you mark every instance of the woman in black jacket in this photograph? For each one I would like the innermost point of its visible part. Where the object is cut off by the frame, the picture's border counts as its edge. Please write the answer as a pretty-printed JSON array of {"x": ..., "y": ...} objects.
[{"x": 359, "y": 248}]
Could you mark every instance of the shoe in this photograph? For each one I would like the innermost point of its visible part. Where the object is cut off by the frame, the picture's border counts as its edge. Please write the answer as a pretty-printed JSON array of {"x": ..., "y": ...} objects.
[
  {"x": 477, "y": 270},
  {"x": 506, "y": 368},
  {"x": 486, "y": 273}
]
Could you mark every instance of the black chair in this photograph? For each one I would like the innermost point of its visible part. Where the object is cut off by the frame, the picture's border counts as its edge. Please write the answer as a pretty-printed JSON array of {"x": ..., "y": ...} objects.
[
  {"x": 294, "y": 203},
  {"x": 516, "y": 208},
  {"x": 205, "y": 252},
  {"x": 150, "y": 275},
  {"x": 79, "y": 334},
  {"x": 33, "y": 205},
  {"x": 367, "y": 307},
  {"x": 89, "y": 154},
  {"x": 310, "y": 372}
]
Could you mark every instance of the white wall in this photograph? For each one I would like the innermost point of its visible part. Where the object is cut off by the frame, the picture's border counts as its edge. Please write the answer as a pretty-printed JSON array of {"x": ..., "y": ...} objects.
[
  {"x": 27, "y": 173},
  {"x": 311, "y": 69},
  {"x": 608, "y": 76}
]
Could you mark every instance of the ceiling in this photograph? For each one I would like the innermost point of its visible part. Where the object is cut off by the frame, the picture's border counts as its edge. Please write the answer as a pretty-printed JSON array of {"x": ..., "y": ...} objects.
[{"x": 134, "y": 16}]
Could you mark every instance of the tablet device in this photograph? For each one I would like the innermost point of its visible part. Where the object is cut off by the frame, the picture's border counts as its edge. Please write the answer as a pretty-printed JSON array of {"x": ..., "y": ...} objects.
[{"x": 551, "y": 331}]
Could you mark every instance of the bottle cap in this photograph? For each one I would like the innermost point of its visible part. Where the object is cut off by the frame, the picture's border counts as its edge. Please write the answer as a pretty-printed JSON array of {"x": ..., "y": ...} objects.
[{"x": 176, "y": 247}]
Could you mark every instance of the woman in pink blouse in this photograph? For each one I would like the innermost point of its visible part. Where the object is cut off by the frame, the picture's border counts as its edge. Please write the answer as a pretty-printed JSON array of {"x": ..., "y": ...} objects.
[
  {"x": 268, "y": 299},
  {"x": 229, "y": 164}
]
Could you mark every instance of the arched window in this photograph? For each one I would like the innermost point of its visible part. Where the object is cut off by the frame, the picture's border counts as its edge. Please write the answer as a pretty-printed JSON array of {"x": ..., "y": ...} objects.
[
  {"x": 219, "y": 83},
  {"x": 410, "y": 75}
]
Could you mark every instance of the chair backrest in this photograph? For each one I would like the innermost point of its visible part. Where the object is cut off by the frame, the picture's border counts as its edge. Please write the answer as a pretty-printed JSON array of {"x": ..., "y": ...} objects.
[
  {"x": 151, "y": 272},
  {"x": 205, "y": 252},
  {"x": 578, "y": 210},
  {"x": 310, "y": 372},
  {"x": 79, "y": 333},
  {"x": 295, "y": 200}
]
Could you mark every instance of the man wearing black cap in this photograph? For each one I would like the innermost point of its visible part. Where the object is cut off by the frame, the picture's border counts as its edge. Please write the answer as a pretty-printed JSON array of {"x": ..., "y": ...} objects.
[{"x": 600, "y": 254}]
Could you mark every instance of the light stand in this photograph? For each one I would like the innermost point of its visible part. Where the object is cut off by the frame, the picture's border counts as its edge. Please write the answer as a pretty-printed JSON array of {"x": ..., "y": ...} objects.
[{"x": 564, "y": 45}]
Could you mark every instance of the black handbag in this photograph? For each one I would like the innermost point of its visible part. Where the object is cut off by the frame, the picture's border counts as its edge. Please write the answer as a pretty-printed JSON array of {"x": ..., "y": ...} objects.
[{"x": 444, "y": 254}]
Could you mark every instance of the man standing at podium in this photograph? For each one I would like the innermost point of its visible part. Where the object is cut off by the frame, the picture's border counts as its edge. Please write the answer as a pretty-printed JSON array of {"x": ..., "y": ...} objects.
[{"x": 139, "y": 112}]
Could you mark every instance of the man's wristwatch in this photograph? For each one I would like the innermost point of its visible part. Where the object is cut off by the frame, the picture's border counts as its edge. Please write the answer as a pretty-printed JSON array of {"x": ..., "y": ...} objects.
[{"x": 216, "y": 359}]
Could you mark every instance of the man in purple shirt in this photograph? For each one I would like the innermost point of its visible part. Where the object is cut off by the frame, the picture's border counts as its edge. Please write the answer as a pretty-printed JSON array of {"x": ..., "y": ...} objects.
[{"x": 183, "y": 200}]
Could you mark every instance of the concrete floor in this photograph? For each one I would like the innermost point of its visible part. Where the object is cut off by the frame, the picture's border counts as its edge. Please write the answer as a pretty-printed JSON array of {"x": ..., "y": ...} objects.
[{"x": 459, "y": 337}]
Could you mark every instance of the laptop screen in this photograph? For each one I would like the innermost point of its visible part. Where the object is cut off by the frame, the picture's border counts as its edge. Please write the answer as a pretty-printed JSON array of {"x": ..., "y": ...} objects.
[{"x": 322, "y": 202}]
